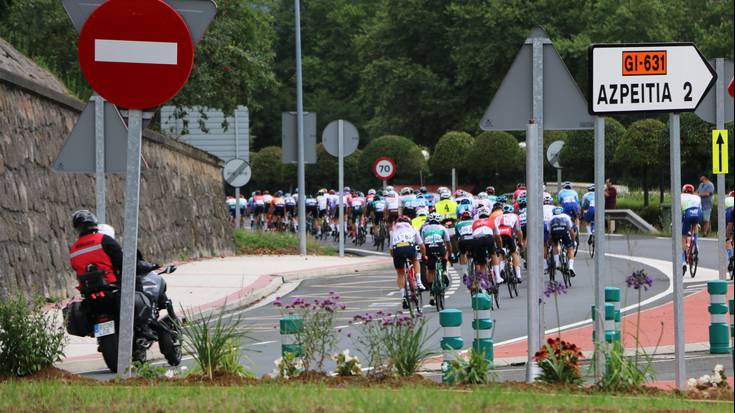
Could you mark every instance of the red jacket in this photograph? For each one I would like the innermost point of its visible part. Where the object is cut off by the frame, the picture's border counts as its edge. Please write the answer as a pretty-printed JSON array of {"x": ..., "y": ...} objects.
[{"x": 89, "y": 250}]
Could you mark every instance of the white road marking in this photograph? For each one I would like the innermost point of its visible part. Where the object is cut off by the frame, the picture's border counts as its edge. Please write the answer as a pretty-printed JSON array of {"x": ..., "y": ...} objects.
[{"x": 127, "y": 51}]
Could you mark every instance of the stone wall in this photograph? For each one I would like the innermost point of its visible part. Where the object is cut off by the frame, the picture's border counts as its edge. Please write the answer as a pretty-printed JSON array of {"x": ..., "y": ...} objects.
[{"x": 182, "y": 213}]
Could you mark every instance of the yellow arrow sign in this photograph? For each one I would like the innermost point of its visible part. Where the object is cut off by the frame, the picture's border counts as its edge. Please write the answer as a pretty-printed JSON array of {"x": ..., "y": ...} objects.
[{"x": 719, "y": 151}]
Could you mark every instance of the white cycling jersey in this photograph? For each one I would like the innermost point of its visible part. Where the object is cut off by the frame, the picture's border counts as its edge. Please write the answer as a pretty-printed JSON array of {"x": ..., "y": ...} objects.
[
  {"x": 392, "y": 203},
  {"x": 548, "y": 213},
  {"x": 321, "y": 200},
  {"x": 690, "y": 201},
  {"x": 403, "y": 232}
]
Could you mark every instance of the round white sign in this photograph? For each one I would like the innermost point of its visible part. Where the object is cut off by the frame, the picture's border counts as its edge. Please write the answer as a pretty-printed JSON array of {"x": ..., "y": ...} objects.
[{"x": 236, "y": 172}]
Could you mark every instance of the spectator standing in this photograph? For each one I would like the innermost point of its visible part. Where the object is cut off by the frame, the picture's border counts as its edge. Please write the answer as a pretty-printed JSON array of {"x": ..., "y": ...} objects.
[
  {"x": 611, "y": 201},
  {"x": 705, "y": 191}
]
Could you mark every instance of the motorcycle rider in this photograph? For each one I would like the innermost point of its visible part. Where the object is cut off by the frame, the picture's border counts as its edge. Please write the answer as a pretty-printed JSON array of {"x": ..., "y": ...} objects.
[{"x": 94, "y": 248}]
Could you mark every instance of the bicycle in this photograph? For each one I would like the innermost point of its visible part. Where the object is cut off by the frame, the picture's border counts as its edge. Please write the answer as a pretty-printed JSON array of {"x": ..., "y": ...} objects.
[
  {"x": 591, "y": 241},
  {"x": 381, "y": 236},
  {"x": 413, "y": 295},
  {"x": 550, "y": 263},
  {"x": 508, "y": 272},
  {"x": 692, "y": 255},
  {"x": 564, "y": 260},
  {"x": 438, "y": 285},
  {"x": 493, "y": 288}
]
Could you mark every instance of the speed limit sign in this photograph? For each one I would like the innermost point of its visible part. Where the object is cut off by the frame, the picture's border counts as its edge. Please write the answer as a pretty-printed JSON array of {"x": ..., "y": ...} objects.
[{"x": 384, "y": 168}]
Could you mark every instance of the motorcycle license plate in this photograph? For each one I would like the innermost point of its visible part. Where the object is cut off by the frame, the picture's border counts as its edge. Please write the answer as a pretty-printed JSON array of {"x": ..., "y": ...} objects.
[{"x": 104, "y": 329}]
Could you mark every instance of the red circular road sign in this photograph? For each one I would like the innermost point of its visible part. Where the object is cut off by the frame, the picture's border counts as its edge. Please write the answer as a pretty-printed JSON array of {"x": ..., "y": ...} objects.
[
  {"x": 136, "y": 53},
  {"x": 384, "y": 168}
]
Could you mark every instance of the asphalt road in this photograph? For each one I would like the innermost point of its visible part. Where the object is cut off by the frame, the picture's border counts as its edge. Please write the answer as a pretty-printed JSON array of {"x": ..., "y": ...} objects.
[{"x": 374, "y": 291}]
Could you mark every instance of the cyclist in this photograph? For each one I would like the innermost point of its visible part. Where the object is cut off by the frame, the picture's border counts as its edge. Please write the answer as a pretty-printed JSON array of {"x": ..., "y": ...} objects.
[
  {"x": 278, "y": 210},
  {"x": 421, "y": 202},
  {"x": 403, "y": 242},
  {"x": 484, "y": 237},
  {"x": 290, "y": 202},
  {"x": 446, "y": 207},
  {"x": 568, "y": 199},
  {"x": 378, "y": 208},
  {"x": 522, "y": 212},
  {"x": 548, "y": 213},
  {"x": 561, "y": 229},
  {"x": 258, "y": 208},
  {"x": 322, "y": 203},
  {"x": 463, "y": 233},
  {"x": 392, "y": 204},
  {"x": 483, "y": 201},
  {"x": 437, "y": 246},
  {"x": 691, "y": 217},
  {"x": 496, "y": 211},
  {"x": 333, "y": 208},
  {"x": 588, "y": 206},
  {"x": 408, "y": 202},
  {"x": 729, "y": 204},
  {"x": 509, "y": 228},
  {"x": 464, "y": 204},
  {"x": 421, "y": 217},
  {"x": 231, "y": 206},
  {"x": 357, "y": 210},
  {"x": 519, "y": 192}
]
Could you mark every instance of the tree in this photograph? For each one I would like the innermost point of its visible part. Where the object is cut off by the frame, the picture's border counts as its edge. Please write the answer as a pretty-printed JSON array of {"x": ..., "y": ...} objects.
[
  {"x": 407, "y": 155},
  {"x": 324, "y": 174},
  {"x": 644, "y": 151},
  {"x": 450, "y": 152},
  {"x": 578, "y": 154},
  {"x": 495, "y": 159},
  {"x": 268, "y": 172}
]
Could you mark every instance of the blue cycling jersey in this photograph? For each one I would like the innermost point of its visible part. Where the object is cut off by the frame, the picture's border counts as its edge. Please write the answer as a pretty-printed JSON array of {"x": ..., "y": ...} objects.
[{"x": 568, "y": 196}]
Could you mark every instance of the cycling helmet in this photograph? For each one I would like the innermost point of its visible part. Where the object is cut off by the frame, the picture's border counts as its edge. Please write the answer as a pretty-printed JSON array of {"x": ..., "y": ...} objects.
[
  {"x": 266, "y": 192},
  {"x": 490, "y": 190},
  {"x": 404, "y": 218},
  {"x": 106, "y": 229},
  {"x": 558, "y": 210},
  {"x": 521, "y": 185},
  {"x": 465, "y": 201},
  {"x": 423, "y": 212},
  {"x": 423, "y": 190},
  {"x": 688, "y": 189},
  {"x": 458, "y": 193},
  {"x": 502, "y": 199},
  {"x": 567, "y": 185},
  {"x": 379, "y": 193},
  {"x": 522, "y": 202},
  {"x": 482, "y": 195},
  {"x": 331, "y": 192},
  {"x": 83, "y": 220},
  {"x": 466, "y": 215},
  {"x": 590, "y": 188},
  {"x": 434, "y": 218},
  {"x": 483, "y": 212},
  {"x": 406, "y": 190},
  {"x": 256, "y": 193},
  {"x": 445, "y": 195},
  {"x": 548, "y": 200},
  {"x": 371, "y": 191},
  {"x": 497, "y": 206},
  {"x": 360, "y": 194},
  {"x": 507, "y": 209},
  {"x": 731, "y": 194},
  {"x": 279, "y": 193},
  {"x": 347, "y": 189},
  {"x": 442, "y": 189},
  {"x": 388, "y": 188}
]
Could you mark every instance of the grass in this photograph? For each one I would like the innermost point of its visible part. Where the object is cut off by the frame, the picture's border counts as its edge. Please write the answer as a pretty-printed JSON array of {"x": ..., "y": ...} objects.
[
  {"x": 48, "y": 396},
  {"x": 276, "y": 243}
]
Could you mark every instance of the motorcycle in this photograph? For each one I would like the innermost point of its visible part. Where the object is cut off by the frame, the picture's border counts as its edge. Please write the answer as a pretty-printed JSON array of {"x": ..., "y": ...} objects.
[{"x": 97, "y": 315}]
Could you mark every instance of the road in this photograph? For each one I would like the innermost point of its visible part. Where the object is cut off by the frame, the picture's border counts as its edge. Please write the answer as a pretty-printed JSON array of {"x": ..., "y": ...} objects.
[{"x": 376, "y": 291}]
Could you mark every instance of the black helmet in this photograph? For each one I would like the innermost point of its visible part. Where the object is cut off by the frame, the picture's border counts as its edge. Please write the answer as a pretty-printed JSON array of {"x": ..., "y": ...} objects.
[{"x": 84, "y": 220}]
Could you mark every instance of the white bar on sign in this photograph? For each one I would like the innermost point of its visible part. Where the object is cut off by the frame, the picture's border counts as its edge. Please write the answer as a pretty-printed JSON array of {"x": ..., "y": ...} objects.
[{"x": 128, "y": 51}]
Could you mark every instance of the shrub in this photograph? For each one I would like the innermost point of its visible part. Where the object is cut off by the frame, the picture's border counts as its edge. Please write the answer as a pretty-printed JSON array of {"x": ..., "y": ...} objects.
[
  {"x": 347, "y": 365},
  {"x": 407, "y": 155},
  {"x": 317, "y": 338},
  {"x": 214, "y": 343},
  {"x": 477, "y": 369},
  {"x": 559, "y": 362},
  {"x": 30, "y": 340},
  {"x": 450, "y": 152},
  {"x": 493, "y": 158},
  {"x": 288, "y": 366},
  {"x": 623, "y": 373}
]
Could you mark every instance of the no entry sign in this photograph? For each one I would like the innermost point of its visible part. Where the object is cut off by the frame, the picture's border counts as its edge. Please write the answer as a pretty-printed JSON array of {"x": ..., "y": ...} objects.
[
  {"x": 671, "y": 77},
  {"x": 136, "y": 53},
  {"x": 384, "y": 168}
]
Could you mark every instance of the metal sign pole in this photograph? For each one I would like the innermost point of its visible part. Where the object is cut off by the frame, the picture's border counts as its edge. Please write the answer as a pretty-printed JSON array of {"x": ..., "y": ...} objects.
[
  {"x": 721, "y": 190},
  {"x": 99, "y": 157},
  {"x": 680, "y": 366},
  {"x": 535, "y": 266},
  {"x": 341, "y": 185},
  {"x": 237, "y": 190},
  {"x": 454, "y": 180},
  {"x": 599, "y": 238},
  {"x": 536, "y": 151},
  {"x": 558, "y": 180},
  {"x": 300, "y": 127},
  {"x": 130, "y": 243}
]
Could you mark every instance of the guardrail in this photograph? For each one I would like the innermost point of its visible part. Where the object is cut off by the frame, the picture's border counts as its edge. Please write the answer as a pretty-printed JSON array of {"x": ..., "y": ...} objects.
[{"x": 632, "y": 217}]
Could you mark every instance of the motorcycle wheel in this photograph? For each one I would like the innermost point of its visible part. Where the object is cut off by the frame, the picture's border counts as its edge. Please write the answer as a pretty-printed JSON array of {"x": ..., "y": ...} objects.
[
  {"x": 108, "y": 344},
  {"x": 169, "y": 347}
]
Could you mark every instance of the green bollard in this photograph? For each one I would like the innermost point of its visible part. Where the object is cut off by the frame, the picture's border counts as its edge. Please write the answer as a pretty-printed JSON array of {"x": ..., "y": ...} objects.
[
  {"x": 289, "y": 327},
  {"x": 612, "y": 295},
  {"x": 482, "y": 324},
  {"x": 719, "y": 340},
  {"x": 451, "y": 321},
  {"x": 609, "y": 322}
]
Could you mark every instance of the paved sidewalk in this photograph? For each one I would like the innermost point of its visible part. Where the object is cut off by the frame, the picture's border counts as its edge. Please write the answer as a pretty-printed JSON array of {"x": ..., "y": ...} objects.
[{"x": 234, "y": 282}]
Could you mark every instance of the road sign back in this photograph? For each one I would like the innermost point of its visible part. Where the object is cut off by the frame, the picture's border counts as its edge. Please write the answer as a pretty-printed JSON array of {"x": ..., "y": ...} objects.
[
  {"x": 720, "y": 158},
  {"x": 552, "y": 153},
  {"x": 136, "y": 53},
  {"x": 564, "y": 105},
  {"x": 707, "y": 109},
  {"x": 78, "y": 152},
  {"x": 330, "y": 138}
]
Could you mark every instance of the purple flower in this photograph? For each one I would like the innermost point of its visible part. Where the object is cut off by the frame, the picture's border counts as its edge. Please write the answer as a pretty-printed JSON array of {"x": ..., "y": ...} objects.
[
  {"x": 638, "y": 280},
  {"x": 342, "y": 307},
  {"x": 277, "y": 303},
  {"x": 349, "y": 335},
  {"x": 554, "y": 288}
]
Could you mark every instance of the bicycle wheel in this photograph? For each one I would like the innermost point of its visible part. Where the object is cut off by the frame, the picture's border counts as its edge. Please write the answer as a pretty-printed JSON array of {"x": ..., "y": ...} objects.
[
  {"x": 509, "y": 277},
  {"x": 414, "y": 300},
  {"x": 576, "y": 244},
  {"x": 695, "y": 260},
  {"x": 592, "y": 247},
  {"x": 438, "y": 287}
]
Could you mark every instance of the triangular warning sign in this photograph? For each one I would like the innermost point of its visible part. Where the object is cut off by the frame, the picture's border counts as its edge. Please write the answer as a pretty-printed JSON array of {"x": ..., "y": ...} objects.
[
  {"x": 565, "y": 108},
  {"x": 78, "y": 152}
]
